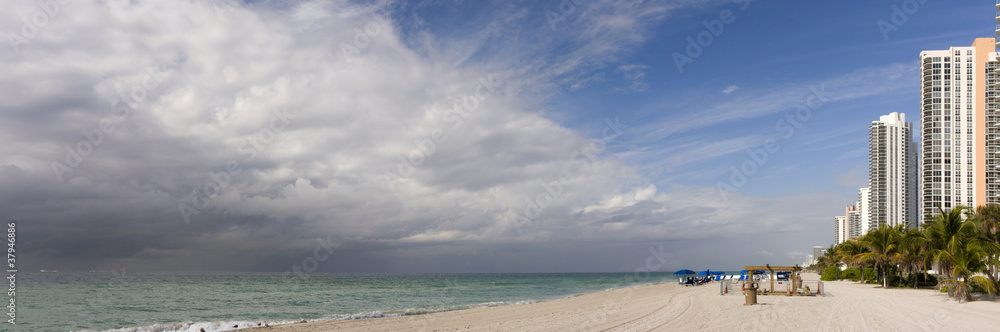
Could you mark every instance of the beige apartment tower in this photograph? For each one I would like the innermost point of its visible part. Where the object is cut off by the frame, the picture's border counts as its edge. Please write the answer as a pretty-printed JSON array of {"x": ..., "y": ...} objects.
[{"x": 959, "y": 129}]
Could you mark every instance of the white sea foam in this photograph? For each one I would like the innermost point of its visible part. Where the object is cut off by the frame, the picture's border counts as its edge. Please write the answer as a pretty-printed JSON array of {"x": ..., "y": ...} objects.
[
  {"x": 197, "y": 327},
  {"x": 242, "y": 324},
  {"x": 421, "y": 311}
]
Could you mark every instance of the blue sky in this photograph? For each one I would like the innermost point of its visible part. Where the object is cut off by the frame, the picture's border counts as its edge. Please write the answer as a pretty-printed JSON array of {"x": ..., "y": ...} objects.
[
  {"x": 447, "y": 136},
  {"x": 778, "y": 47}
]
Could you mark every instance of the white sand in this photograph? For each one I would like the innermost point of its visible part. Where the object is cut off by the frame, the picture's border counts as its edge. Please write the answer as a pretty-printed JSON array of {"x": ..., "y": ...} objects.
[{"x": 671, "y": 307}]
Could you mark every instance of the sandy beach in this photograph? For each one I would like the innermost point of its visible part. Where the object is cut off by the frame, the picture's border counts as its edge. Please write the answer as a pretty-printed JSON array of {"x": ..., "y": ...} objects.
[{"x": 670, "y": 307}]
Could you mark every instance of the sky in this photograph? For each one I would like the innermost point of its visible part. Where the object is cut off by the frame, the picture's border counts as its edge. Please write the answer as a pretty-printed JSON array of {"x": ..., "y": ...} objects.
[{"x": 448, "y": 136}]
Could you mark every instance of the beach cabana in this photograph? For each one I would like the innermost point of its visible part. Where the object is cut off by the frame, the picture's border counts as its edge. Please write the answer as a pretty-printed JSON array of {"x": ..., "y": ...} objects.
[{"x": 794, "y": 270}]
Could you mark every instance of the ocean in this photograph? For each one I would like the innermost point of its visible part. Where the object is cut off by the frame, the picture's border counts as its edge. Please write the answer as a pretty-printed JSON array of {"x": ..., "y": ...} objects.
[{"x": 123, "y": 301}]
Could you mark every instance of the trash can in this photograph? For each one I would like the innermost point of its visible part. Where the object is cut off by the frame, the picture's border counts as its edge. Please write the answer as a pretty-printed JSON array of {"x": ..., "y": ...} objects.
[{"x": 751, "y": 293}]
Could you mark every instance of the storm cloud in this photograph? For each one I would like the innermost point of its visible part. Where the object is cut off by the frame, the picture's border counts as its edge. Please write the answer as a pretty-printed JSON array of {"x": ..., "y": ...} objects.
[{"x": 215, "y": 135}]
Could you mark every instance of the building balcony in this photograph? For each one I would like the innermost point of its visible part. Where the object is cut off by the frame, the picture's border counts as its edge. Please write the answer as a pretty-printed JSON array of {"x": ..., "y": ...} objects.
[
  {"x": 998, "y": 4},
  {"x": 998, "y": 17}
]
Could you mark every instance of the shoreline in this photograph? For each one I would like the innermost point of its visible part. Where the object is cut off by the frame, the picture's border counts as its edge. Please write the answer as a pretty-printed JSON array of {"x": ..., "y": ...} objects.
[
  {"x": 669, "y": 306},
  {"x": 424, "y": 307},
  {"x": 463, "y": 307}
]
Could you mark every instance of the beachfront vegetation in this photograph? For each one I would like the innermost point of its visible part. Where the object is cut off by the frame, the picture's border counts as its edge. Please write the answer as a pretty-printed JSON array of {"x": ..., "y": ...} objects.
[
  {"x": 961, "y": 247},
  {"x": 830, "y": 273},
  {"x": 854, "y": 274}
]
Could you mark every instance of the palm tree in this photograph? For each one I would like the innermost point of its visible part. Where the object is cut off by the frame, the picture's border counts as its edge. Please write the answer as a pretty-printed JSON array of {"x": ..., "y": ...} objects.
[
  {"x": 944, "y": 229},
  {"x": 988, "y": 217},
  {"x": 883, "y": 249},
  {"x": 965, "y": 260},
  {"x": 845, "y": 253},
  {"x": 827, "y": 260},
  {"x": 915, "y": 253}
]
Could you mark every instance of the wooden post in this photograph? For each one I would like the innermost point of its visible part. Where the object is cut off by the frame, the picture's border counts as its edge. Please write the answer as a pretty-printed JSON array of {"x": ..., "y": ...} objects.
[{"x": 772, "y": 276}]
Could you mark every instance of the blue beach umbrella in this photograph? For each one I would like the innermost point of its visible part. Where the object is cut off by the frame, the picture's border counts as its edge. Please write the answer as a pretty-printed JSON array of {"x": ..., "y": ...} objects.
[{"x": 683, "y": 272}]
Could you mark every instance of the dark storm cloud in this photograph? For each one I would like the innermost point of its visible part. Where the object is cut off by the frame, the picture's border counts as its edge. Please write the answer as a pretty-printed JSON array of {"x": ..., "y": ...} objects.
[{"x": 256, "y": 121}]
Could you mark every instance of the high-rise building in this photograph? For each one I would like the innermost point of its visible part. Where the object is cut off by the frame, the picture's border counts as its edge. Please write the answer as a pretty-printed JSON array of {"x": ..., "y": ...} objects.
[
  {"x": 892, "y": 173},
  {"x": 847, "y": 226},
  {"x": 863, "y": 197},
  {"x": 959, "y": 155},
  {"x": 853, "y": 222},
  {"x": 840, "y": 225},
  {"x": 818, "y": 252}
]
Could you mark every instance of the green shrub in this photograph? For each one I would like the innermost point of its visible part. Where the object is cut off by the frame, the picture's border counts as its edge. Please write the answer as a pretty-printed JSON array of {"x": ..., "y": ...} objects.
[
  {"x": 852, "y": 274},
  {"x": 923, "y": 281},
  {"x": 829, "y": 274},
  {"x": 926, "y": 281},
  {"x": 870, "y": 274},
  {"x": 977, "y": 289},
  {"x": 895, "y": 280}
]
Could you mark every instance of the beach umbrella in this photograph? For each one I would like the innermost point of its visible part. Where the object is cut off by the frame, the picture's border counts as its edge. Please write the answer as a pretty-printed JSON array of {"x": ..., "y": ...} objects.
[
  {"x": 683, "y": 272},
  {"x": 703, "y": 273}
]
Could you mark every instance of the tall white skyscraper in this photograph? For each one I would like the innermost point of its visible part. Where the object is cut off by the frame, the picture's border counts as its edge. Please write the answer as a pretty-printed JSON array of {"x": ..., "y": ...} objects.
[
  {"x": 840, "y": 226},
  {"x": 959, "y": 127},
  {"x": 863, "y": 197},
  {"x": 853, "y": 222},
  {"x": 892, "y": 186}
]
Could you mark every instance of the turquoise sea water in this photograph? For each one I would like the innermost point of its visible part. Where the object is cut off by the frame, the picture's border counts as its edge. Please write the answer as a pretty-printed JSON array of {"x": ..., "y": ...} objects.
[{"x": 217, "y": 301}]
